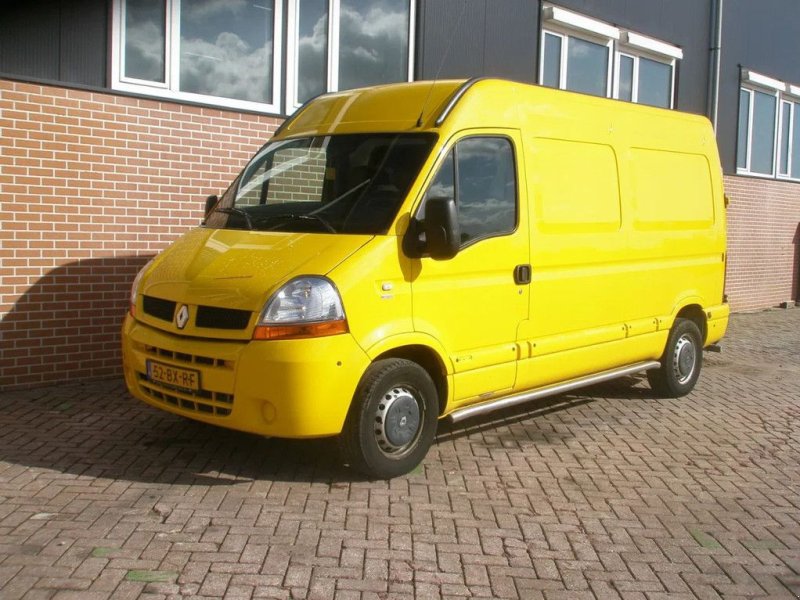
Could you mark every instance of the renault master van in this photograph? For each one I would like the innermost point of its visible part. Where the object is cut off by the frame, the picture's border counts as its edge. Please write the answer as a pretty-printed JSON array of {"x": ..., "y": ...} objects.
[{"x": 402, "y": 254}]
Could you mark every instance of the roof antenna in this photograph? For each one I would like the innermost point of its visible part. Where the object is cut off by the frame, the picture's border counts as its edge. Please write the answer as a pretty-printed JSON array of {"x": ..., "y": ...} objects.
[{"x": 441, "y": 63}]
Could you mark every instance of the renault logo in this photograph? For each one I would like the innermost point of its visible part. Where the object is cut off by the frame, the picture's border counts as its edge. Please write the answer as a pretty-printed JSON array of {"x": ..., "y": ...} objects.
[{"x": 182, "y": 317}]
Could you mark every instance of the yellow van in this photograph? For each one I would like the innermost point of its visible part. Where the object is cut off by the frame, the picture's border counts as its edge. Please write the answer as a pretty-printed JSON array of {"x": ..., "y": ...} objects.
[{"x": 405, "y": 253}]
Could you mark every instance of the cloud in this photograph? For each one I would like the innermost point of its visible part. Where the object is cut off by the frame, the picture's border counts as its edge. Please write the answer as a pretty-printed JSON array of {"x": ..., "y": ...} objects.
[
  {"x": 373, "y": 48},
  {"x": 312, "y": 67},
  {"x": 228, "y": 68},
  {"x": 373, "y": 45},
  {"x": 485, "y": 216},
  {"x": 204, "y": 10},
  {"x": 144, "y": 51}
]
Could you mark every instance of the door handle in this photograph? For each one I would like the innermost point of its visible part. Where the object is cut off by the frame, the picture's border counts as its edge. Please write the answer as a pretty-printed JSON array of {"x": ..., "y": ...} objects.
[{"x": 522, "y": 274}]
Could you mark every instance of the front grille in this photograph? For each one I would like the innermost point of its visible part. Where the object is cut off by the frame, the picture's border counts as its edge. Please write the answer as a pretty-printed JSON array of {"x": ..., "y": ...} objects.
[
  {"x": 158, "y": 308},
  {"x": 188, "y": 358},
  {"x": 207, "y": 316},
  {"x": 222, "y": 318},
  {"x": 202, "y": 401}
]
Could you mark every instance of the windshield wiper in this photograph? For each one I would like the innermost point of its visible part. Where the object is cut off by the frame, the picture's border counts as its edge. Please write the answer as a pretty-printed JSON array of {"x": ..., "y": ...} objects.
[
  {"x": 297, "y": 217},
  {"x": 341, "y": 196},
  {"x": 237, "y": 211}
]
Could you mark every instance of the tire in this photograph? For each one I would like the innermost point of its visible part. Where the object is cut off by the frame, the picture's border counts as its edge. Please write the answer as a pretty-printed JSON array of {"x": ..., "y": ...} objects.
[
  {"x": 680, "y": 363},
  {"x": 392, "y": 420}
]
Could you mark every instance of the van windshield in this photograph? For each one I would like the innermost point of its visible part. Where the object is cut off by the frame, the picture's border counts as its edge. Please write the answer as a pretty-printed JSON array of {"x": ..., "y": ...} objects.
[{"x": 328, "y": 184}]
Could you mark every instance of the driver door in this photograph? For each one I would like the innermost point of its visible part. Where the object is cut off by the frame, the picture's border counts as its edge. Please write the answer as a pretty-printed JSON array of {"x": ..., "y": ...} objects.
[{"x": 474, "y": 302}]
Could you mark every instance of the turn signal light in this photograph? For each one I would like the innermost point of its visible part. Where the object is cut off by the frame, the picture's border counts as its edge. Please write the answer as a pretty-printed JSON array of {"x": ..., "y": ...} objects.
[{"x": 299, "y": 330}]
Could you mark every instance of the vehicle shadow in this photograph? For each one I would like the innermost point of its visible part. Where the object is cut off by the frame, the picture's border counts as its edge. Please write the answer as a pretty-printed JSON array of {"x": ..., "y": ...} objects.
[
  {"x": 98, "y": 430},
  {"x": 66, "y": 326},
  {"x": 532, "y": 413}
]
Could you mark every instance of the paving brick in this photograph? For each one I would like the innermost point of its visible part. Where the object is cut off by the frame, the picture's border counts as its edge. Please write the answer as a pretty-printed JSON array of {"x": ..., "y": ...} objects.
[{"x": 608, "y": 493}]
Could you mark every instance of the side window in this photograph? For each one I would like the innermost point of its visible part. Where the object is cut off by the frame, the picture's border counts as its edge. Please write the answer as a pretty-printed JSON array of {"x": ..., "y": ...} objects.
[
  {"x": 443, "y": 185},
  {"x": 479, "y": 173}
]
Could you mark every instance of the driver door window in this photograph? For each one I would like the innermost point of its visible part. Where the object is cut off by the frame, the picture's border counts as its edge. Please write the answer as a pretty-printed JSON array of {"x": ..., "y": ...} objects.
[{"x": 479, "y": 173}]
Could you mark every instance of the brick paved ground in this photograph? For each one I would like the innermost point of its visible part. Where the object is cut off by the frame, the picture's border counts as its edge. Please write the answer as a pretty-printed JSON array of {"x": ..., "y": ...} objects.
[{"x": 605, "y": 494}]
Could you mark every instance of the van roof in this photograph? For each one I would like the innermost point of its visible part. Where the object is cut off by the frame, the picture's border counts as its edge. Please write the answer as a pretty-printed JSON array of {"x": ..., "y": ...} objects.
[
  {"x": 426, "y": 105},
  {"x": 393, "y": 107}
]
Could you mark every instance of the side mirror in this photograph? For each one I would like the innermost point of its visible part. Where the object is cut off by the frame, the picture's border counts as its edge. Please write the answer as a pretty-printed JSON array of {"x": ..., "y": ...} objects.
[
  {"x": 211, "y": 202},
  {"x": 442, "y": 233}
]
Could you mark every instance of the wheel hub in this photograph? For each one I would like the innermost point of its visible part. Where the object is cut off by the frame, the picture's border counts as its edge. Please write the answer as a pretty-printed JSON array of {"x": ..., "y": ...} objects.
[
  {"x": 397, "y": 422},
  {"x": 685, "y": 358}
]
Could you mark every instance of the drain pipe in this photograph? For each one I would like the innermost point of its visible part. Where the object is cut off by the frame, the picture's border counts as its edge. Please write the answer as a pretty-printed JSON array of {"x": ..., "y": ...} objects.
[{"x": 717, "y": 7}]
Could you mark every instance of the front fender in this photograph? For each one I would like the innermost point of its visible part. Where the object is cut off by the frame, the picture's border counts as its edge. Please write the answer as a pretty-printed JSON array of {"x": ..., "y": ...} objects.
[{"x": 411, "y": 339}]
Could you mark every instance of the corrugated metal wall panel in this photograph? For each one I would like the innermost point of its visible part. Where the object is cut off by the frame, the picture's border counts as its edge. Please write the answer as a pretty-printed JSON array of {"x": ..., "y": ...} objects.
[
  {"x": 451, "y": 40},
  {"x": 56, "y": 40},
  {"x": 511, "y": 39},
  {"x": 684, "y": 23},
  {"x": 29, "y": 38},
  {"x": 84, "y": 42}
]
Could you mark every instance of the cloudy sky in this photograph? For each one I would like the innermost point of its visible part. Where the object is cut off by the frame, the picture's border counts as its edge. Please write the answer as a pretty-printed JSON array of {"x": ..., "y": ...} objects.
[
  {"x": 373, "y": 44},
  {"x": 144, "y": 40},
  {"x": 226, "y": 46}
]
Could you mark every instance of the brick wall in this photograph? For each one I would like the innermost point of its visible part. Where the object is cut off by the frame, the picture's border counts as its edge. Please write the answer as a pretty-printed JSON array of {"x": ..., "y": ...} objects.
[
  {"x": 301, "y": 181},
  {"x": 763, "y": 242},
  {"x": 91, "y": 186}
]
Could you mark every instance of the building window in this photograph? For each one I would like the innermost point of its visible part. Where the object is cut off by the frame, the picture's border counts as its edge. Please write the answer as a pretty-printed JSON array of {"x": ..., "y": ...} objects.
[
  {"x": 768, "y": 142},
  {"x": 586, "y": 55},
  {"x": 646, "y": 70},
  {"x": 576, "y": 52},
  {"x": 644, "y": 80},
  {"x": 225, "y": 53},
  {"x": 345, "y": 44}
]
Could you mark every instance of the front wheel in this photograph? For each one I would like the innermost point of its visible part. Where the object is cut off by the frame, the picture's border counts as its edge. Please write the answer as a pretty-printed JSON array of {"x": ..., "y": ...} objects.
[
  {"x": 392, "y": 420},
  {"x": 681, "y": 362}
]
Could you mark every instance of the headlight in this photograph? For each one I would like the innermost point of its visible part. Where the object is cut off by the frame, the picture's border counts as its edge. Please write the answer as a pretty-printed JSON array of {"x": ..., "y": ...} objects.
[
  {"x": 304, "y": 307},
  {"x": 135, "y": 286}
]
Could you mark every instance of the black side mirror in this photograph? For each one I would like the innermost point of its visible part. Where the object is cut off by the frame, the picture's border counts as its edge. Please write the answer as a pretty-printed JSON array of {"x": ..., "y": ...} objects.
[
  {"x": 442, "y": 233},
  {"x": 211, "y": 202}
]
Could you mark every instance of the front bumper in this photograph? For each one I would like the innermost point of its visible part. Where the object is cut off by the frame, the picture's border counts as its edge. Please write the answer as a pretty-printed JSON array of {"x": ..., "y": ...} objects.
[{"x": 281, "y": 388}]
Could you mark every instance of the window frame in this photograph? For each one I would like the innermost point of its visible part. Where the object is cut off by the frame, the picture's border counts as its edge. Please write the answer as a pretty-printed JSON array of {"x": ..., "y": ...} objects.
[
  {"x": 746, "y": 170},
  {"x": 794, "y": 121},
  {"x": 565, "y": 34},
  {"x": 332, "y": 63},
  {"x": 784, "y": 94},
  {"x": 169, "y": 89},
  {"x": 636, "y": 56}
]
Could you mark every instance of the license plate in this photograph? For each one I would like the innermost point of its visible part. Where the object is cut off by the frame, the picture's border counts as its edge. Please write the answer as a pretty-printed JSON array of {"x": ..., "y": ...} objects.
[{"x": 187, "y": 379}]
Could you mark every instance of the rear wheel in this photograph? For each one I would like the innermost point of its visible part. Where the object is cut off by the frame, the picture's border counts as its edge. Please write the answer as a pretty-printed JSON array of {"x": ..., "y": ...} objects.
[
  {"x": 681, "y": 362},
  {"x": 392, "y": 421}
]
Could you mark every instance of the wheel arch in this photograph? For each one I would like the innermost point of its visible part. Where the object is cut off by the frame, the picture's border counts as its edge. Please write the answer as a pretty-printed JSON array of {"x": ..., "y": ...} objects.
[
  {"x": 695, "y": 313},
  {"x": 430, "y": 360}
]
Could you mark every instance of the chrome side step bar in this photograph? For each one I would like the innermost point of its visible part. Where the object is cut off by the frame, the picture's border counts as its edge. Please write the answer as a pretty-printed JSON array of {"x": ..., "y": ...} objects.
[{"x": 550, "y": 390}]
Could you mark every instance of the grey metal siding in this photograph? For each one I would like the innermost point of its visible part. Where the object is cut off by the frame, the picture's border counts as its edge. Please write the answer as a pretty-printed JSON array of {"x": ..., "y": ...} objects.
[
  {"x": 500, "y": 37},
  {"x": 56, "y": 40},
  {"x": 471, "y": 38},
  {"x": 683, "y": 23},
  {"x": 762, "y": 36}
]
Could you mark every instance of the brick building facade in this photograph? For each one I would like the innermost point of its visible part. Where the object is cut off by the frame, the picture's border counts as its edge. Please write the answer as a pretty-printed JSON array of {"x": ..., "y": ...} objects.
[{"x": 91, "y": 186}]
